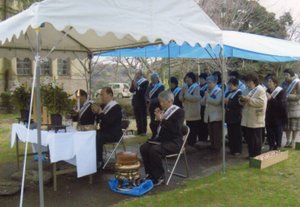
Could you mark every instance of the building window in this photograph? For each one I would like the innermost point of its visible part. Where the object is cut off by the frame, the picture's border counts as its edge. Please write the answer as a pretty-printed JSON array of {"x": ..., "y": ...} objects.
[
  {"x": 23, "y": 66},
  {"x": 46, "y": 67},
  {"x": 63, "y": 66}
]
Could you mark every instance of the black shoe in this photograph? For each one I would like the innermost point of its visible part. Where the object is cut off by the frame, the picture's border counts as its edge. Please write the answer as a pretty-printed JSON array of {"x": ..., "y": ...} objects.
[{"x": 158, "y": 181}]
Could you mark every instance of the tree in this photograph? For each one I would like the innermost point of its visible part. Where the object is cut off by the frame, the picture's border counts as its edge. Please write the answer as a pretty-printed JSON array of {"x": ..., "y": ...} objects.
[{"x": 12, "y": 7}]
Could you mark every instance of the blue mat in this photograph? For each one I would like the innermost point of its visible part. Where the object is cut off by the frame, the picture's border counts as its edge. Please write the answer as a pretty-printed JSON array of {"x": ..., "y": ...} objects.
[{"x": 140, "y": 190}]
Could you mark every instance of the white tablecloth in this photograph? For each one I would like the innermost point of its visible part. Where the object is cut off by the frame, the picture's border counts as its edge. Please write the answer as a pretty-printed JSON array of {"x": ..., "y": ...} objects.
[{"x": 76, "y": 147}]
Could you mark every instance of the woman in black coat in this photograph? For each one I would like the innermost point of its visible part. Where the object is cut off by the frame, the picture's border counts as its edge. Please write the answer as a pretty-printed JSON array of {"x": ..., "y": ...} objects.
[
  {"x": 276, "y": 114},
  {"x": 233, "y": 116}
]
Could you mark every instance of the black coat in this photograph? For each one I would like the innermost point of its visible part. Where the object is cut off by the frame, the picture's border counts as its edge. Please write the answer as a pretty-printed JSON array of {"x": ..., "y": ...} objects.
[
  {"x": 153, "y": 102},
  {"x": 110, "y": 123},
  {"x": 276, "y": 113},
  {"x": 177, "y": 101},
  {"x": 87, "y": 118},
  {"x": 138, "y": 98},
  {"x": 171, "y": 129},
  {"x": 233, "y": 113}
]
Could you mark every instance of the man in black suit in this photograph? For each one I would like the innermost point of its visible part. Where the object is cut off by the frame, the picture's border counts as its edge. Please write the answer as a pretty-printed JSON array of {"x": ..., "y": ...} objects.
[
  {"x": 168, "y": 139},
  {"x": 84, "y": 114},
  {"x": 109, "y": 117},
  {"x": 138, "y": 87},
  {"x": 152, "y": 100},
  {"x": 173, "y": 84}
]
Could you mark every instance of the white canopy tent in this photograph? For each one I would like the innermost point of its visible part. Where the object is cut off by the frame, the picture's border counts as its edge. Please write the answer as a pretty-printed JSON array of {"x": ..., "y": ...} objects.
[{"x": 88, "y": 26}]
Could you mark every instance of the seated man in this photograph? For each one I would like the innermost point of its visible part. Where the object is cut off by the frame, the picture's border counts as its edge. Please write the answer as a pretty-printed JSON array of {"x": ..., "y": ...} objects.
[
  {"x": 168, "y": 139},
  {"x": 109, "y": 117},
  {"x": 84, "y": 114}
]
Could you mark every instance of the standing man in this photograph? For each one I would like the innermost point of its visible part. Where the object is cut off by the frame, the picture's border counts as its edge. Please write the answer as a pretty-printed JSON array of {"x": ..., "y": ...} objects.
[
  {"x": 138, "y": 87},
  {"x": 151, "y": 96},
  {"x": 293, "y": 106},
  {"x": 109, "y": 117},
  {"x": 173, "y": 84}
]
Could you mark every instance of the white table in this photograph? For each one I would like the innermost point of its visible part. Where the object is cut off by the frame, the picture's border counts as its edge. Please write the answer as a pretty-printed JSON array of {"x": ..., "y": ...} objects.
[{"x": 75, "y": 147}]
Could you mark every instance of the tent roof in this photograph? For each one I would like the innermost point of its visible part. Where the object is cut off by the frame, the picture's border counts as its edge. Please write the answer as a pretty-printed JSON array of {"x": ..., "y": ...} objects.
[
  {"x": 97, "y": 25},
  {"x": 236, "y": 44}
]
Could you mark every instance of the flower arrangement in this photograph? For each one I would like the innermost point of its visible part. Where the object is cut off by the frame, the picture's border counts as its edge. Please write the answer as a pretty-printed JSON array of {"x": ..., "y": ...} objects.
[
  {"x": 56, "y": 99},
  {"x": 21, "y": 95}
]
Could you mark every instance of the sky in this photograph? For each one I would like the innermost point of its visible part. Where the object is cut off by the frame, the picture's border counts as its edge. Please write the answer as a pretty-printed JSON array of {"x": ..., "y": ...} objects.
[{"x": 280, "y": 6}]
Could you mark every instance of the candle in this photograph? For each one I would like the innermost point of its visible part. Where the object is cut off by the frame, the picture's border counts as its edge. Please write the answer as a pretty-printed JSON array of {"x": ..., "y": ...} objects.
[{"x": 78, "y": 100}]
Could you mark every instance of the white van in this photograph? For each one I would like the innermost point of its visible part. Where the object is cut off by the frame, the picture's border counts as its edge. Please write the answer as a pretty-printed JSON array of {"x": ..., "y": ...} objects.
[{"x": 120, "y": 90}]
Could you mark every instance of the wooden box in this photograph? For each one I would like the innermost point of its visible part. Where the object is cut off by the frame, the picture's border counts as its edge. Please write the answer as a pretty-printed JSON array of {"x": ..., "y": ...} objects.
[
  {"x": 269, "y": 158},
  {"x": 297, "y": 146}
]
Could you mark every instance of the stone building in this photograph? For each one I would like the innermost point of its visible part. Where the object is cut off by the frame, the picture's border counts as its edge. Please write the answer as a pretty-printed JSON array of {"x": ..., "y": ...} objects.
[{"x": 67, "y": 72}]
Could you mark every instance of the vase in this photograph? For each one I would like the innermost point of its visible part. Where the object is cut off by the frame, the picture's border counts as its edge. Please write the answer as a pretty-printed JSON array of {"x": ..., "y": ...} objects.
[{"x": 56, "y": 120}]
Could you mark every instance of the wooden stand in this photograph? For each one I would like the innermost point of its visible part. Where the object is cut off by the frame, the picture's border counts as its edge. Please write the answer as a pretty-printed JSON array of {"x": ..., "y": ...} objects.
[{"x": 269, "y": 158}]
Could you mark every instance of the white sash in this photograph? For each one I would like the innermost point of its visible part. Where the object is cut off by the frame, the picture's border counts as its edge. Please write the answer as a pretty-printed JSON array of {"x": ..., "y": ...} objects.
[
  {"x": 170, "y": 111},
  {"x": 232, "y": 94},
  {"x": 154, "y": 89},
  {"x": 139, "y": 82},
  {"x": 276, "y": 91},
  {"x": 252, "y": 92},
  {"x": 292, "y": 86},
  {"x": 85, "y": 106},
  {"x": 176, "y": 91},
  {"x": 215, "y": 91},
  {"x": 192, "y": 88},
  {"x": 203, "y": 88},
  {"x": 108, "y": 107}
]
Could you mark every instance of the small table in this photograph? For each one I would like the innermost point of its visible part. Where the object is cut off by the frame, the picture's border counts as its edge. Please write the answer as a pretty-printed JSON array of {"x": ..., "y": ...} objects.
[{"x": 75, "y": 147}]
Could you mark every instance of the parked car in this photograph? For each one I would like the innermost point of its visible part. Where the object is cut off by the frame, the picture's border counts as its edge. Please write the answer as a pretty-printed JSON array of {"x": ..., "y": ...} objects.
[{"x": 120, "y": 90}]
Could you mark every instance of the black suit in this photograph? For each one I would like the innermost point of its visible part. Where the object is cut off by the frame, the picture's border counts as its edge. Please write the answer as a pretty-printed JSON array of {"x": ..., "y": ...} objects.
[
  {"x": 203, "y": 128},
  {"x": 233, "y": 117},
  {"x": 110, "y": 128},
  {"x": 170, "y": 137},
  {"x": 87, "y": 118},
  {"x": 276, "y": 118},
  {"x": 139, "y": 106},
  {"x": 153, "y": 104},
  {"x": 177, "y": 102}
]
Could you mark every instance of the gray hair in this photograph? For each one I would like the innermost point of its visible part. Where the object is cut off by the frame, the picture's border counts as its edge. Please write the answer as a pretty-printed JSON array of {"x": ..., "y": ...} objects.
[
  {"x": 166, "y": 96},
  {"x": 155, "y": 76}
]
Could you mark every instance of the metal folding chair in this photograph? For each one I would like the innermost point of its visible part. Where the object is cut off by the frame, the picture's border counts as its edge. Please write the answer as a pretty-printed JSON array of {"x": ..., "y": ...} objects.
[
  {"x": 125, "y": 124},
  {"x": 185, "y": 133}
]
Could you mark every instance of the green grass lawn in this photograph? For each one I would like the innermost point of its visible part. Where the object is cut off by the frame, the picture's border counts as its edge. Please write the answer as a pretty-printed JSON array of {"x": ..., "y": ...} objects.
[
  {"x": 278, "y": 185},
  {"x": 7, "y": 154}
]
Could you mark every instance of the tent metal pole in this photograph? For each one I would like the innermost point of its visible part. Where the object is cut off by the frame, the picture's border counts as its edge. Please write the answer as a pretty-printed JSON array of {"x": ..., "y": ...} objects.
[
  {"x": 90, "y": 57},
  {"x": 38, "y": 112},
  {"x": 169, "y": 62},
  {"x": 223, "y": 68}
]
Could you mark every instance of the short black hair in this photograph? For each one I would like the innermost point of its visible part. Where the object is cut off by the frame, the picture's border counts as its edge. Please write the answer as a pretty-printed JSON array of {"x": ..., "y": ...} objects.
[
  {"x": 174, "y": 80},
  {"x": 81, "y": 92},
  {"x": 235, "y": 74},
  {"x": 218, "y": 75},
  {"x": 252, "y": 77},
  {"x": 233, "y": 81},
  {"x": 289, "y": 71},
  {"x": 273, "y": 78},
  {"x": 203, "y": 76},
  {"x": 109, "y": 91},
  {"x": 191, "y": 75}
]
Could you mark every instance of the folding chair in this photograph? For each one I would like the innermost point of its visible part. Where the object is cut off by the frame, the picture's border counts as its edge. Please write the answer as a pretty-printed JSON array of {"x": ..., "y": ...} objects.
[
  {"x": 125, "y": 124},
  {"x": 185, "y": 133}
]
